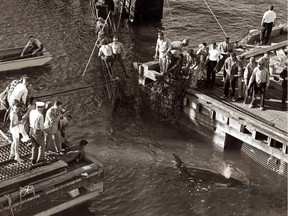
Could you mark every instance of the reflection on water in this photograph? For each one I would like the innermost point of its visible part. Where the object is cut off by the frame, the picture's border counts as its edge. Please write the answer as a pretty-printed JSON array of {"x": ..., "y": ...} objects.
[{"x": 137, "y": 151}]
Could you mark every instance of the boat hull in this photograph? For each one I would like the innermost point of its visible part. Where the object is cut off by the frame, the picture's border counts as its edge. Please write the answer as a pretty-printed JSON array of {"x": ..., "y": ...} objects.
[{"x": 11, "y": 60}]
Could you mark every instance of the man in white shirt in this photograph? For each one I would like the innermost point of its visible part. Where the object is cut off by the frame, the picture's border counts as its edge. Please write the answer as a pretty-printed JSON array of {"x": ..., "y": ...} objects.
[
  {"x": 213, "y": 58},
  {"x": 36, "y": 133},
  {"x": 119, "y": 53},
  {"x": 106, "y": 54},
  {"x": 267, "y": 23},
  {"x": 225, "y": 48},
  {"x": 163, "y": 46},
  {"x": 261, "y": 77},
  {"x": 33, "y": 47},
  {"x": 51, "y": 128},
  {"x": 19, "y": 93}
]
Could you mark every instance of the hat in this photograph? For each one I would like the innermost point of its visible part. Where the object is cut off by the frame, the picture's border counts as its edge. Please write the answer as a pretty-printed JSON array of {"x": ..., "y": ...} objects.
[{"x": 40, "y": 104}]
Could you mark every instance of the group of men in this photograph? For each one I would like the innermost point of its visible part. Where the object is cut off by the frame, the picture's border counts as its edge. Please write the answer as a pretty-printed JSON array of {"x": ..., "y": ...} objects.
[
  {"x": 42, "y": 123},
  {"x": 252, "y": 79}
]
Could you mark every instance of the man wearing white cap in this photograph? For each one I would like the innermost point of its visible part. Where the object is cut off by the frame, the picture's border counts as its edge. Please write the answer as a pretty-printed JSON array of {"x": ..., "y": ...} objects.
[{"x": 36, "y": 132}]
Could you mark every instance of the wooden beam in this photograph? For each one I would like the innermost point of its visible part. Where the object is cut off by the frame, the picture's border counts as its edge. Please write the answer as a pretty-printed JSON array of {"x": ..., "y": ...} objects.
[
  {"x": 257, "y": 52},
  {"x": 30, "y": 176},
  {"x": 71, "y": 203},
  {"x": 46, "y": 184}
]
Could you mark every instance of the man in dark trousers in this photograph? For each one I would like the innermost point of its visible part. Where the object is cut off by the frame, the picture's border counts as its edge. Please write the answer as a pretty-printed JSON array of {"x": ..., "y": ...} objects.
[
  {"x": 233, "y": 69},
  {"x": 283, "y": 75},
  {"x": 267, "y": 23}
]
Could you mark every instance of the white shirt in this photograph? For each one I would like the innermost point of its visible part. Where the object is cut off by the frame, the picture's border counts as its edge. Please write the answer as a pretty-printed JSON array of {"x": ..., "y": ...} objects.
[
  {"x": 20, "y": 92},
  {"x": 117, "y": 48},
  {"x": 36, "y": 120},
  {"x": 106, "y": 50},
  {"x": 213, "y": 55},
  {"x": 260, "y": 76},
  {"x": 269, "y": 16}
]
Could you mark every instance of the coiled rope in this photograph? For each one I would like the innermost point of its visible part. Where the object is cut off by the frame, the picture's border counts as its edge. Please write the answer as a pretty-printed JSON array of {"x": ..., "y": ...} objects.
[
  {"x": 23, "y": 191},
  {"x": 215, "y": 18}
]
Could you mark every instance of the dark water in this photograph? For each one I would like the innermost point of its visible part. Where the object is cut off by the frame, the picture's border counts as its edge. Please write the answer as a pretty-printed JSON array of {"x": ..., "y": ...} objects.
[{"x": 137, "y": 150}]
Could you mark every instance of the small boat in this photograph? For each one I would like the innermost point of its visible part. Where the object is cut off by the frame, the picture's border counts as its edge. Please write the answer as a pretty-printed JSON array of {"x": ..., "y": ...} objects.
[{"x": 10, "y": 59}]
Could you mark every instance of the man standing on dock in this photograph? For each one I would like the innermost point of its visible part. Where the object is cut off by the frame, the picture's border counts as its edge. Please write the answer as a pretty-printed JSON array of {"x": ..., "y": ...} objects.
[
  {"x": 213, "y": 58},
  {"x": 261, "y": 77},
  {"x": 52, "y": 119},
  {"x": 283, "y": 75},
  {"x": 163, "y": 46},
  {"x": 246, "y": 77},
  {"x": 267, "y": 23},
  {"x": 225, "y": 48},
  {"x": 36, "y": 133},
  {"x": 233, "y": 68}
]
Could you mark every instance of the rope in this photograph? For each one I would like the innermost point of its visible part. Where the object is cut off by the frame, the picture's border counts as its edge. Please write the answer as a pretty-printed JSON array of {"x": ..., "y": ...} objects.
[
  {"x": 215, "y": 18},
  {"x": 95, "y": 45},
  {"x": 10, "y": 203},
  {"x": 26, "y": 190}
]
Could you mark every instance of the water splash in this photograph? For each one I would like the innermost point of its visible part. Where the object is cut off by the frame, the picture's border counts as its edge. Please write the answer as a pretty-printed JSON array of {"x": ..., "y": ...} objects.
[{"x": 227, "y": 171}]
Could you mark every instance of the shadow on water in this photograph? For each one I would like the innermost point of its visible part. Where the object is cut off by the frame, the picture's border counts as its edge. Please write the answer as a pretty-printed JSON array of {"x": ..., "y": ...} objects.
[{"x": 32, "y": 72}]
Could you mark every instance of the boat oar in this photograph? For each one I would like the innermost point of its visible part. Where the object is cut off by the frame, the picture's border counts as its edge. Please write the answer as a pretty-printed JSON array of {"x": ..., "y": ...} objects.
[{"x": 95, "y": 46}]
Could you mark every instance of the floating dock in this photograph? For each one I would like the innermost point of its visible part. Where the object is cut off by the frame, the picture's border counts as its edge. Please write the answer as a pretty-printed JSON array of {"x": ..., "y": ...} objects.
[{"x": 46, "y": 189}]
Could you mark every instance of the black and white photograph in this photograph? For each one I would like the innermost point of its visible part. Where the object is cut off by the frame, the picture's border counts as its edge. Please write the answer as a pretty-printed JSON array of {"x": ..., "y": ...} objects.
[{"x": 143, "y": 108}]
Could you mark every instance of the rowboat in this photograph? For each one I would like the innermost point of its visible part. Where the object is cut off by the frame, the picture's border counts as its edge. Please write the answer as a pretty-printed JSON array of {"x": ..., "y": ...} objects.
[{"x": 10, "y": 59}]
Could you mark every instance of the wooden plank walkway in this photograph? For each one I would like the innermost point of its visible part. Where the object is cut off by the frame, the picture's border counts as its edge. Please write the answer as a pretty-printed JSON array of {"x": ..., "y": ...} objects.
[{"x": 273, "y": 112}]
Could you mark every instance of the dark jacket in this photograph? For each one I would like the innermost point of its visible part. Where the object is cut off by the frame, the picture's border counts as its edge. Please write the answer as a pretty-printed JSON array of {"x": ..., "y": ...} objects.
[{"x": 283, "y": 75}]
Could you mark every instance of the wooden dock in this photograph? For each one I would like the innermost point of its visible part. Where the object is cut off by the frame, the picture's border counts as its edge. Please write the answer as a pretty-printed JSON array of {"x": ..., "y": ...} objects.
[{"x": 47, "y": 188}]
